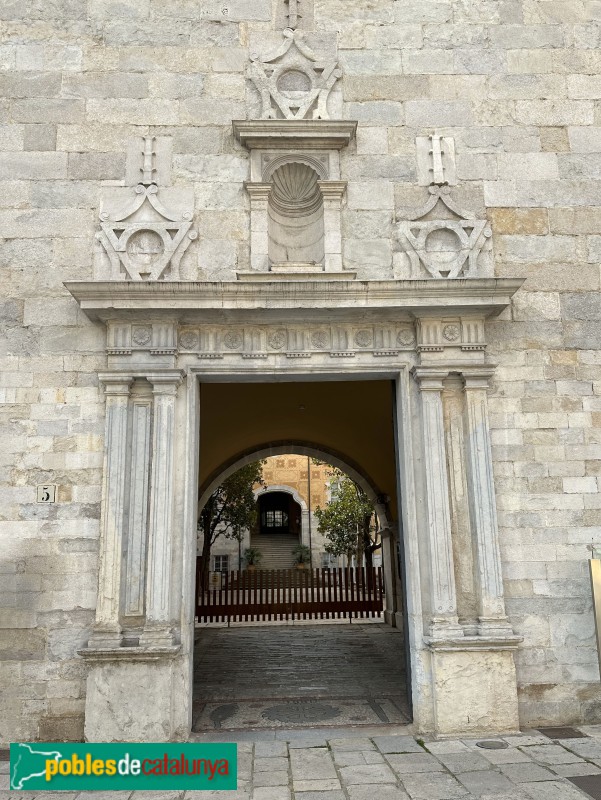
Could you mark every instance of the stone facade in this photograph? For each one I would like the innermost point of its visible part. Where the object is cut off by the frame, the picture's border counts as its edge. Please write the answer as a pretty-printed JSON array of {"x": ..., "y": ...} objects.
[{"x": 504, "y": 97}]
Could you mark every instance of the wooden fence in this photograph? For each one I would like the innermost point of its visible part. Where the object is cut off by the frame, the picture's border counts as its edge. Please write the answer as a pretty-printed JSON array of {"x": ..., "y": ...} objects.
[{"x": 263, "y": 595}]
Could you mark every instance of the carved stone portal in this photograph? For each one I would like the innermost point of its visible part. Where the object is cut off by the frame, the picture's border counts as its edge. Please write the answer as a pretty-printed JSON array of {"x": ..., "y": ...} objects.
[{"x": 144, "y": 230}]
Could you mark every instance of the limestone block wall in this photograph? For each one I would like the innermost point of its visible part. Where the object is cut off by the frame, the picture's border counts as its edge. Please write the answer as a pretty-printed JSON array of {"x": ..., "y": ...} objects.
[{"x": 514, "y": 82}]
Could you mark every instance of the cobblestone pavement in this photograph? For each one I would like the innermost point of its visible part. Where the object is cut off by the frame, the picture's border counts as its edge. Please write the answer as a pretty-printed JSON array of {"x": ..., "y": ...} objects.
[
  {"x": 371, "y": 765},
  {"x": 240, "y": 672}
]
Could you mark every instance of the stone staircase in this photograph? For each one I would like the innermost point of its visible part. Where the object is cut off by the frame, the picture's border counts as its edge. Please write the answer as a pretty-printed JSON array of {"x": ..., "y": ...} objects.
[{"x": 276, "y": 550}]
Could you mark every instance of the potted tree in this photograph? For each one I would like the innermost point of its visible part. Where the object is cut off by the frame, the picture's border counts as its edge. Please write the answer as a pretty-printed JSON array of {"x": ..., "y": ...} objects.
[
  {"x": 252, "y": 556},
  {"x": 302, "y": 556}
]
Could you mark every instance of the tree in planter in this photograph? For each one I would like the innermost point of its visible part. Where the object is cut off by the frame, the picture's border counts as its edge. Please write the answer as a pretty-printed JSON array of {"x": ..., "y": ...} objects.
[
  {"x": 229, "y": 511},
  {"x": 349, "y": 521},
  {"x": 302, "y": 555}
]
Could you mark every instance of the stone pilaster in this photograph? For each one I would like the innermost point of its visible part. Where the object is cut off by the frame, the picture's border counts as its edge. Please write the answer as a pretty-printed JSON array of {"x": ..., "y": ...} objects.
[
  {"x": 492, "y": 620},
  {"x": 141, "y": 428},
  {"x": 332, "y": 193},
  {"x": 443, "y": 611},
  {"x": 259, "y": 225},
  {"x": 157, "y": 626},
  {"x": 107, "y": 628}
]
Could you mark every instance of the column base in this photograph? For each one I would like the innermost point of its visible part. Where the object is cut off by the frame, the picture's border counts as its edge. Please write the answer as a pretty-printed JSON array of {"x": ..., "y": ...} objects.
[
  {"x": 495, "y": 628},
  {"x": 445, "y": 628},
  {"x": 457, "y": 668},
  {"x": 134, "y": 695},
  {"x": 157, "y": 636},
  {"x": 105, "y": 638}
]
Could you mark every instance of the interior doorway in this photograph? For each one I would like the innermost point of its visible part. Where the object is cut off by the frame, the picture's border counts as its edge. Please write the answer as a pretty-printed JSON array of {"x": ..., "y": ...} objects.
[{"x": 244, "y": 672}]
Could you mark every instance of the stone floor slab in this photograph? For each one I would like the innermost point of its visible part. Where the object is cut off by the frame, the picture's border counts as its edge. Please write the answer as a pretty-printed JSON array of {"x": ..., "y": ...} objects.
[
  {"x": 367, "y": 774},
  {"x": 398, "y": 744},
  {"x": 271, "y": 750},
  {"x": 553, "y": 791},
  {"x": 510, "y": 756},
  {"x": 575, "y": 770},
  {"x": 324, "y": 785},
  {"x": 316, "y": 764},
  {"x": 272, "y": 793},
  {"x": 277, "y": 778},
  {"x": 414, "y": 762},
  {"x": 437, "y": 786},
  {"x": 464, "y": 762},
  {"x": 552, "y": 754},
  {"x": 270, "y": 764},
  {"x": 448, "y": 746},
  {"x": 526, "y": 773},
  {"x": 351, "y": 744},
  {"x": 491, "y": 782},
  {"x": 337, "y": 795},
  {"x": 383, "y": 792}
]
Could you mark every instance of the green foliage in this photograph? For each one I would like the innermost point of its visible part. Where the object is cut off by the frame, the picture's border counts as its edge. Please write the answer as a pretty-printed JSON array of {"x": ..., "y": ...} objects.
[
  {"x": 232, "y": 507},
  {"x": 302, "y": 554},
  {"x": 348, "y": 521},
  {"x": 252, "y": 556}
]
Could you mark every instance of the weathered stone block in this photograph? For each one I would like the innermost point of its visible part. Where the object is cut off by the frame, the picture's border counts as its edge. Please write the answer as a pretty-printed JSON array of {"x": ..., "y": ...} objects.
[
  {"x": 425, "y": 113},
  {"x": 42, "y": 109}
]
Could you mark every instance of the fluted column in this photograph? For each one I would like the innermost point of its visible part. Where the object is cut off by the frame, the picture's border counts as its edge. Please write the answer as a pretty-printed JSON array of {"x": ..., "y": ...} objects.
[
  {"x": 442, "y": 578},
  {"x": 107, "y": 627},
  {"x": 492, "y": 620},
  {"x": 157, "y": 626}
]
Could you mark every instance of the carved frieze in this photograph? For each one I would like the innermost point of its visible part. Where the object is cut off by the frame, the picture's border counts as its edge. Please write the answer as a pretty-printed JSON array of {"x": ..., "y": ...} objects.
[{"x": 145, "y": 230}]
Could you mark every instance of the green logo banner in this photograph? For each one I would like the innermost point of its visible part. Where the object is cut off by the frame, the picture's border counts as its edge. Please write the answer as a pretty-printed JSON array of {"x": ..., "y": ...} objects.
[{"x": 112, "y": 767}]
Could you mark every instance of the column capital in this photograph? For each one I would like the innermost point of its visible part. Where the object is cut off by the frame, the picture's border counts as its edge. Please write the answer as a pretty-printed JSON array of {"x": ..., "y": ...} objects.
[
  {"x": 116, "y": 384},
  {"x": 477, "y": 377},
  {"x": 165, "y": 382},
  {"x": 430, "y": 379},
  {"x": 332, "y": 190},
  {"x": 258, "y": 191}
]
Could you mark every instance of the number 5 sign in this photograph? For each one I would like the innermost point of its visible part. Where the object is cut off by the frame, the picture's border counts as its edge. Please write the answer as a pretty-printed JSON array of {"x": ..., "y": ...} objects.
[{"x": 47, "y": 493}]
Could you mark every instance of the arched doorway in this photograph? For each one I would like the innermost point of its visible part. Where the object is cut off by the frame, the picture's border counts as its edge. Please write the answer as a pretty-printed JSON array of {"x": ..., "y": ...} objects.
[{"x": 279, "y": 527}]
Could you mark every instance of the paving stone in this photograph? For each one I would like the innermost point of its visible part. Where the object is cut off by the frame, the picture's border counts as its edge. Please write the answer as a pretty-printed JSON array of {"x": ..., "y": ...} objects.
[
  {"x": 276, "y": 778},
  {"x": 574, "y": 770},
  {"x": 367, "y": 774},
  {"x": 384, "y": 792},
  {"x": 351, "y": 744},
  {"x": 585, "y": 748},
  {"x": 271, "y": 749},
  {"x": 319, "y": 795},
  {"x": 479, "y": 783},
  {"x": 324, "y": 785},
  {"x": 449, "y": 746},
  {"x": 552, "y": 754},
  {"x": 316, "y": 762},
  {"x": 526, "y": 773},
  {"x": 414, "y": 762},
  {"x": 270, "y": 764},
  {"x": 464, "y": 762},
  {"x": 549, "y": 790},
  {"x": 510, "y": 756},
  {"x": 438, "y": 786},
  {"x": 398, "y": 744}
]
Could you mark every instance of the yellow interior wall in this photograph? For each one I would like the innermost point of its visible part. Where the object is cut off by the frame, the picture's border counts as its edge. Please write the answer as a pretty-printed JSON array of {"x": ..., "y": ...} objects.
[{"x": 351, "y": 418}]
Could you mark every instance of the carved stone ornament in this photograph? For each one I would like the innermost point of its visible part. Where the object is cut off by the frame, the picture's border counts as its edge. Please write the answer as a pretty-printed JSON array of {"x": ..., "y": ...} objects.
[
  {"x": 143, "y": 237},
  {"x": 445, "y": 241},
  {"x": 292, "y": 81}
]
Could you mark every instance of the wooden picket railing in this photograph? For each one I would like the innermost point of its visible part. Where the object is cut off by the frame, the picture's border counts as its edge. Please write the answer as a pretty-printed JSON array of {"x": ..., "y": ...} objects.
[{"x": 288, "y": 594}]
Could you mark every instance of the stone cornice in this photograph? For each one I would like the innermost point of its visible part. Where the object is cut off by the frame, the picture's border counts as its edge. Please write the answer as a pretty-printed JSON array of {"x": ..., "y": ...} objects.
[
  {"x": 291, "y": 133},
  {"x": 302, "y": 300}
]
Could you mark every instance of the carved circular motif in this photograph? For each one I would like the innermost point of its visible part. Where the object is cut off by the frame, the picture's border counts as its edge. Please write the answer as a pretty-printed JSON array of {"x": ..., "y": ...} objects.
[
  {"x": 277, "y": 340},
  {"x": 141, "y": 336},
  {"x": 363, "y": 338},
  {"x": 188, "y": 340},
  {"x": 232, "y": 340},
  {"x": 292, "y": 82},
  {"x": 405, "y": 336},
  {"x": 320, "y": 339},
  {"x": 144, "y": 248},
  {"x": 451, "y": 332}
]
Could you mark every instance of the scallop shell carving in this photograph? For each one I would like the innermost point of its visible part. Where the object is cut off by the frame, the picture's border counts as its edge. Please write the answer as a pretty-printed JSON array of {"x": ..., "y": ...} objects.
[{"x": 295, "y": 185}]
